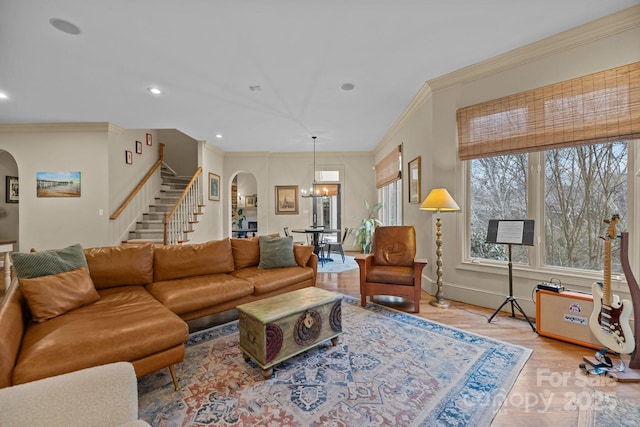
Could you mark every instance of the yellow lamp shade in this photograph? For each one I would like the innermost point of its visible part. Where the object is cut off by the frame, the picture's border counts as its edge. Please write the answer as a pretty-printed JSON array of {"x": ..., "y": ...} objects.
[{"x": 439, "y": 200}]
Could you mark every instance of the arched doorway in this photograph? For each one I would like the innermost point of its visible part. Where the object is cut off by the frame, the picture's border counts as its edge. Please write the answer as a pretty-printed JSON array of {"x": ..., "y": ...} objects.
[
  {"x": 244, "y": 205},
  {"x": 9, "y": 206}
]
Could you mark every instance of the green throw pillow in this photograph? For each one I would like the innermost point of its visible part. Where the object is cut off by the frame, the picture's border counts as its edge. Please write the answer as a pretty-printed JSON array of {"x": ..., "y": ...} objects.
[
  {"x": 276, "y": 252},
  {"x": 45, "y": 263}
]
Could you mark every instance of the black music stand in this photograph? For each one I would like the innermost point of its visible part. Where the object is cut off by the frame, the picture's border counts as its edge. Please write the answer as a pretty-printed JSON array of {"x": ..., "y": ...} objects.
[{"x": 511, "y": 232}]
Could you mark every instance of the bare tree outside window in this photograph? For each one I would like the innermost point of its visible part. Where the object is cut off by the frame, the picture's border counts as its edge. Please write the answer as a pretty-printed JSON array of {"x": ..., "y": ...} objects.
[
  {"x": 498, "y": 191},
  {"x": 584, "y": 185}
]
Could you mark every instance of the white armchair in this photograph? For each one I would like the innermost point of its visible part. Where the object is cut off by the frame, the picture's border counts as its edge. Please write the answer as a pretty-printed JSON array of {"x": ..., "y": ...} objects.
[{"x": 104, "y": 395}]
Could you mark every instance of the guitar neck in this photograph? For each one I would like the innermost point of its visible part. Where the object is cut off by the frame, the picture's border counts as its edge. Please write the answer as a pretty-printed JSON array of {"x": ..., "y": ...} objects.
[{"x": 606, "y": 291}]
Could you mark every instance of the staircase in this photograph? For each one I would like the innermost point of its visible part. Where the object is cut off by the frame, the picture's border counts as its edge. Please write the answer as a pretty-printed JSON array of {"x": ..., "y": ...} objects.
[{"x": 151, "y": 227}]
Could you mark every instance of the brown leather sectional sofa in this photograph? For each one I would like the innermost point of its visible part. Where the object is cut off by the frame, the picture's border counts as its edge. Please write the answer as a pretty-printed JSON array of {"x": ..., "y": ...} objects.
[{"x": 146, "y": 293}]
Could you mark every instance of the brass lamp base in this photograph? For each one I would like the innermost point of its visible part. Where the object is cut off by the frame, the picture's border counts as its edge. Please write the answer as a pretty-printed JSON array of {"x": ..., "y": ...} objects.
[{"x": 440, "y": 303}]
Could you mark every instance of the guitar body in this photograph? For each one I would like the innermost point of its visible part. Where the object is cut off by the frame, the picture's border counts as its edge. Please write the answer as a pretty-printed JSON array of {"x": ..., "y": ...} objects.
[
  {"x": 610, "y": 324},
  {"x": 609, "y": 320}
]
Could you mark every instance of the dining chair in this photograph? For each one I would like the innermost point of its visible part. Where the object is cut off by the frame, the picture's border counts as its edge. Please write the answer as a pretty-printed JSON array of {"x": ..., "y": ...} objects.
[
  {"x": 338, "y": 245},
  {"x": 287, "y": 234},
  {"x": 391, "y": 268}
]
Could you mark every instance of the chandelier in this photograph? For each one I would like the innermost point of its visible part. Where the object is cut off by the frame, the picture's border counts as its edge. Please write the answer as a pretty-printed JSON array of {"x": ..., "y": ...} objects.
[{"x": 314, "y": 191}]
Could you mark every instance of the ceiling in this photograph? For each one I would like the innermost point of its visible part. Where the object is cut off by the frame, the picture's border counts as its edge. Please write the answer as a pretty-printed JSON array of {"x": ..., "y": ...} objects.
[{"x": 265, "y": 74}]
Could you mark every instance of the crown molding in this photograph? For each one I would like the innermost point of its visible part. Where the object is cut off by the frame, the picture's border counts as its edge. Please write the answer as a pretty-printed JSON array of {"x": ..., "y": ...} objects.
[
  {"x": 423, "y": 95},
  {"x": 616, "y": 23},
  {"x": 57, "y": 127}
]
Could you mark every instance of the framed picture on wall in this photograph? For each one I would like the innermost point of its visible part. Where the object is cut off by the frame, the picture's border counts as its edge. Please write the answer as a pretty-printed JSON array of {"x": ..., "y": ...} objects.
[
  {"x": 414, "y": 180},
  {"x": 58, "y": 184},
  {"x": 139, "y": 147},
  {"x": 286, "y": 199},
  {"x": 251, "y": 201},
  {"x": 128, "y": 157},
  {"x": 214, "y": 187},
  {"x": 12, "y": 194},
  {"x": 148, "y": 139}
]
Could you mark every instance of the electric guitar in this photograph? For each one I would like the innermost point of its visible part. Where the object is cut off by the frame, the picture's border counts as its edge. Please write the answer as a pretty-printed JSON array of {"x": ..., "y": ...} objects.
[{"x": 609, "y": 320}]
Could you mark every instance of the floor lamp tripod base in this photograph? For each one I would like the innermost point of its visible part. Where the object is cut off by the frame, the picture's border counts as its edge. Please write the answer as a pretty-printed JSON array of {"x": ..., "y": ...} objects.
[{"x": 511, "y": 299}]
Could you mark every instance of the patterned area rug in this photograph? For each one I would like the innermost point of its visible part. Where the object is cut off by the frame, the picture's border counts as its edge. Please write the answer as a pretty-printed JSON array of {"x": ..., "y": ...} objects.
[
  {"x": 337, "y": 266},
  {"x": 388, "y": 368}
]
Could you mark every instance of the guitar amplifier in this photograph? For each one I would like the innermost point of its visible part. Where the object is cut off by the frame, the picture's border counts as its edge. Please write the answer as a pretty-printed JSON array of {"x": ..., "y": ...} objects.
[{"x": 565, "y": 316}]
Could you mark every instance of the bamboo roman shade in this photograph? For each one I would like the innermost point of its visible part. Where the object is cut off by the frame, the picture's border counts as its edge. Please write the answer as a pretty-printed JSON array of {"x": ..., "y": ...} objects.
[
  {"x": 389, "y": 168},
  {"x": 599, "y": 107}
]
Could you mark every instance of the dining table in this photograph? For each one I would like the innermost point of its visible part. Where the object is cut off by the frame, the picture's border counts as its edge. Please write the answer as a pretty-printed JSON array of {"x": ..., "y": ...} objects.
[{"x": 316, "y": 233}]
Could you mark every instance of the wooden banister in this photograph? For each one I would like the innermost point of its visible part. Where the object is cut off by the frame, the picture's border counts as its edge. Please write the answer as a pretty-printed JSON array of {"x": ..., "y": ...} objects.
[
  {"x": 169, "y": 215},
  {"x": 141, "y": 185}
]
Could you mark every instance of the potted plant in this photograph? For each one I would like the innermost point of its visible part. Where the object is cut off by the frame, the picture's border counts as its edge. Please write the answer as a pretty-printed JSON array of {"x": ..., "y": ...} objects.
[
  {"x": 237, "y": 218},
  {"x": 364, "y": 234}
]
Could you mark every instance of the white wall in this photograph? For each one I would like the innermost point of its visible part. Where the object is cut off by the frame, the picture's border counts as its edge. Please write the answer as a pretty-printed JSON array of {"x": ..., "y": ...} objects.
[
  {"x": 123, "y": 178},
  {"x": 180, "y": 151},
  {"x": 60, "y": 221},
  {"x": 211, "y": 223},
  {"x": 273, "y": 169}
]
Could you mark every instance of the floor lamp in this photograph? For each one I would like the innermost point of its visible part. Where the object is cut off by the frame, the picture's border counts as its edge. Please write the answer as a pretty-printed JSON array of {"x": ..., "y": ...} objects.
[{"x": 439, "y": 200}]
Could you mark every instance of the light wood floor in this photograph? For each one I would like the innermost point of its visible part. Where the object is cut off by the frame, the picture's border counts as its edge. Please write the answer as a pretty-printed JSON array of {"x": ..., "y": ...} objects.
[{"x": 550, "y": 391}]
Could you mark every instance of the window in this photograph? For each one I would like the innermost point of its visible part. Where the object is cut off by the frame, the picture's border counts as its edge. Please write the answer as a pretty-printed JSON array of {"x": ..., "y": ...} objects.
[
  {"x": 389, "y": 185},
  {"x": 391, "y": 196},
  {"x": 579, "y": 186},
  {"x": 498, "y": 191},
  {"x": 583, "y": 186},
  {"x": 574, "y": 136}
]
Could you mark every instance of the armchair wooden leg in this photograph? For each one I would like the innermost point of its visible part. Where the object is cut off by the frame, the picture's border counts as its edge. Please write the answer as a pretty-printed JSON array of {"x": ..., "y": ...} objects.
[
  {"x": 363, "y": 300},
  {"x": 172, "y": 370}
]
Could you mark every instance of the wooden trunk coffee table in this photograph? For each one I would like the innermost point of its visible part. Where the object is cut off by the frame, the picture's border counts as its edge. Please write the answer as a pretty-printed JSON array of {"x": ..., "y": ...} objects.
[{"x": 275, "y": 329}]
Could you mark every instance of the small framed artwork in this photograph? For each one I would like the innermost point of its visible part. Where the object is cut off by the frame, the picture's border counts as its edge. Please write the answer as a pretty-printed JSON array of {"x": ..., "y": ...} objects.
[
  {"x": 214, "y": 187},
  {"x": 148, "y": 139},
  {"x": 414, "y": 180},
  {"x": 58, "y": 184},
  {"x": 286, "y": 199},
  {"x": 139, "y": 147},
  {"x": 12, "y": 194},
  {"x": 128, "y": 157},
  {"x": 250, "y": 201}
]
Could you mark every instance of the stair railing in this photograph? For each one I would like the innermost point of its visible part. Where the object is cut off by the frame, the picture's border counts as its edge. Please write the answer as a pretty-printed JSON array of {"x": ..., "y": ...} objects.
[
  {"x": 140, "y": 185},
  {"x": 179, "y": 220}
]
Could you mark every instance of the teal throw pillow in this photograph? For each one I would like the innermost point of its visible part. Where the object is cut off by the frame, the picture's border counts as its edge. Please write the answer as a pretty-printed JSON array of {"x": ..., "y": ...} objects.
[
  {"x": 276, "y": 252},
  {"x": 45, "y": 263}
]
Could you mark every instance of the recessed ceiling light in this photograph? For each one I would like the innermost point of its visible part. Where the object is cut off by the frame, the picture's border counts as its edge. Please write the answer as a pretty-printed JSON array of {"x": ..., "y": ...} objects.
[
  {"x": 4, "y": 95},
  {"x": 65, "y": 26},
  {"x": 155, "y": 90},
  {"x": 218, "y": 136},
  {"x": 347, "y": 86}
]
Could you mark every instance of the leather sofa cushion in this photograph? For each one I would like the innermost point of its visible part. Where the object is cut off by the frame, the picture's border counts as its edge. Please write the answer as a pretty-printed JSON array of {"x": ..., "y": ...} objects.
[
  {"x": 125, "y": 324},
  {"x": 120, "y": 265},
  {"x": 51, "y": 296},
  {"x": 302, "y": 254},
  {"x": 397, "y": 275},
  {"x": 394, "y": 245},
  {"x": 194, "y": 293},
  {"x": 246, "y": 252},
  {"x": 265, "y": 281},
  {"x": 178, "y": 261}
]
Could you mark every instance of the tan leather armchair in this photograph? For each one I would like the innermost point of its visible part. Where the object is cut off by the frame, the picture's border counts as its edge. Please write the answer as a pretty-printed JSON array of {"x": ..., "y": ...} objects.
[{"x": 391, "y": 268}]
